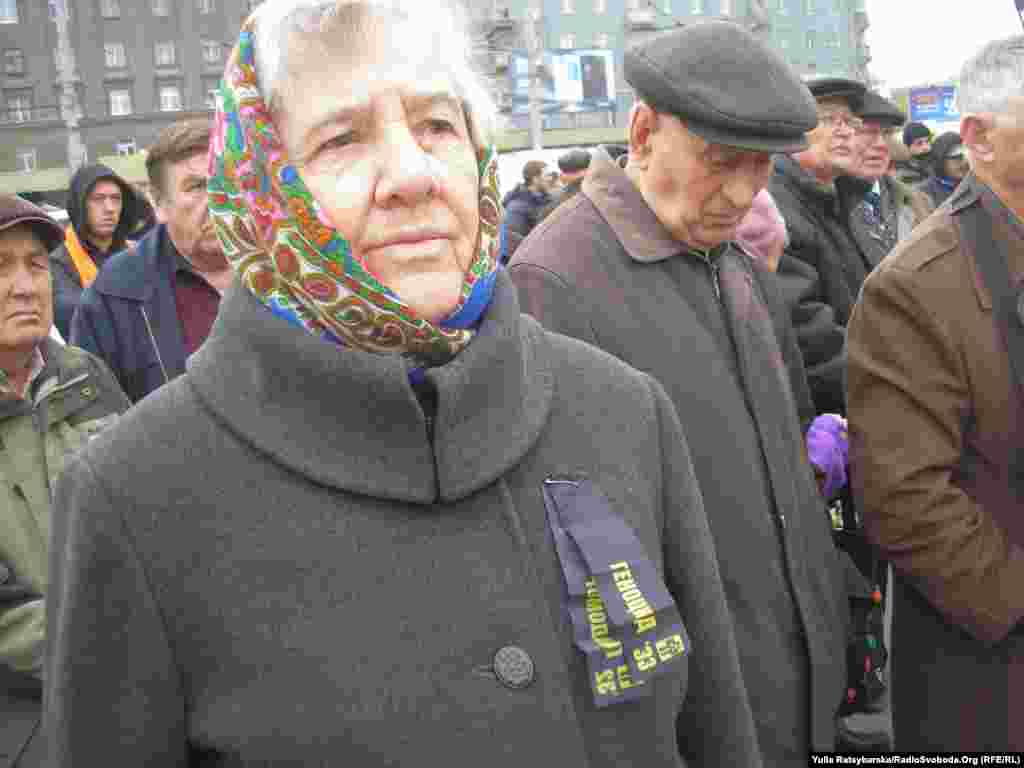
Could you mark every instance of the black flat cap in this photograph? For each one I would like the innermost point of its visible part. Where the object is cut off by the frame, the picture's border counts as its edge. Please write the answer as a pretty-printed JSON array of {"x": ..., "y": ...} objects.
[
  {"x": 574, "y": 161},
  {"x": 728, "y": 86},
  {"x": 880, "y": 110},
  {"x": 838, "y": 88}
]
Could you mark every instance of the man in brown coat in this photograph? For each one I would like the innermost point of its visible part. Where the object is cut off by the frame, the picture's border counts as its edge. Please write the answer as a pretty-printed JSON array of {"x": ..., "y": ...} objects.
[{"x": 937, "y": 428}]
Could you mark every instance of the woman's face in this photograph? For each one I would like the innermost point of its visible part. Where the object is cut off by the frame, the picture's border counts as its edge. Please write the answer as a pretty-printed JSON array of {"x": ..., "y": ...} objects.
[{"x": 382, "y": 143}]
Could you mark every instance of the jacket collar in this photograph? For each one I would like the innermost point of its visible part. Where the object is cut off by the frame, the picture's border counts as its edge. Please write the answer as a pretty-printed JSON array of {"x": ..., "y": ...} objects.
[
  {"x": 60, "y": 365},
  {"x": 1007, "y": 232},
  {"x": 640, "y": 232},
  {"x": 133, "y": 273},
  {"x": 350, "y": 420}
]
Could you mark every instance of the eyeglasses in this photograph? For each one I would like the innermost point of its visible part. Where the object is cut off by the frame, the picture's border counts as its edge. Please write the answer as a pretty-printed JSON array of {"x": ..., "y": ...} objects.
[
  {"x": 866, "y": 129},
  {"x": 835, "y": 119}
]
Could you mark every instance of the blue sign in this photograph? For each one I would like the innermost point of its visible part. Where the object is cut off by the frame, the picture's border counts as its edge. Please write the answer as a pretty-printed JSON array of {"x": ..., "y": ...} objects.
[
  {"x": 936, "y": 103},
  {"x": 571, "y": 80}
]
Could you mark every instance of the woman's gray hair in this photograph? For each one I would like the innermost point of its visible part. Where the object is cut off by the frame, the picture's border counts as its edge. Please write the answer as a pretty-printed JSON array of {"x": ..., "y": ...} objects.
[
  {"x": 992, "y": 76},
  {"x": 277, "y": 21}
]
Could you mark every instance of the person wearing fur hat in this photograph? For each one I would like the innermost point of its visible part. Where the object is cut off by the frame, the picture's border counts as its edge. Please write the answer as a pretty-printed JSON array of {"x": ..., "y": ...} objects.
[{"x": 53, "y": 399}]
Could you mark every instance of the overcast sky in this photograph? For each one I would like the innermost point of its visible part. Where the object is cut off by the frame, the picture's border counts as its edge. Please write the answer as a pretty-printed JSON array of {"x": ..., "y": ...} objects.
[{"x": 914, "y": 42}]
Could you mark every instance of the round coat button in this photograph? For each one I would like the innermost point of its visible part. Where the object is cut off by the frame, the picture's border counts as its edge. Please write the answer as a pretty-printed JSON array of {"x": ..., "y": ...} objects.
[{"x": 513, "y": 666}]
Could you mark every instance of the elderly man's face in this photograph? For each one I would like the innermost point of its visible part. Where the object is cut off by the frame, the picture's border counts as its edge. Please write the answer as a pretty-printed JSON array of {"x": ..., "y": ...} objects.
[
  {"x": 872, "y": 147},
  {"x": 26, "y": 302},
  {"x": 183, "y": 207},
  {"x": 832, "y": 141},
  {"x": 382, "y": 143},
  {"x": 699, "y": 191},
  {"x": 1007, "y": 140}
]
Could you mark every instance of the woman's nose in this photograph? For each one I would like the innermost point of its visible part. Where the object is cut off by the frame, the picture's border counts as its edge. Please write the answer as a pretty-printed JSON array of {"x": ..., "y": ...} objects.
[{"x": 408, "y": 174}]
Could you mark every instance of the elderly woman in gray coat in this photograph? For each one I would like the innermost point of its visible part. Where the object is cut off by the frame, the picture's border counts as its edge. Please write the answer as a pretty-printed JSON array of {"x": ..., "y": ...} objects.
[{"x": 384, "y": 519}]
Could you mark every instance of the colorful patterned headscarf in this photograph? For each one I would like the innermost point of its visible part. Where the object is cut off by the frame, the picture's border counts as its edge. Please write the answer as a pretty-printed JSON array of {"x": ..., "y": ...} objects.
[{"x": 287, "y": 253}]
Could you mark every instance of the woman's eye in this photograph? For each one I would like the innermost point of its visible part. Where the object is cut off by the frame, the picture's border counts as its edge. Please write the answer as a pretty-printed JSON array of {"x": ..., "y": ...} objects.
[
  {"x": 440, "y": 126},
  {"x": 341, "y": 140}
]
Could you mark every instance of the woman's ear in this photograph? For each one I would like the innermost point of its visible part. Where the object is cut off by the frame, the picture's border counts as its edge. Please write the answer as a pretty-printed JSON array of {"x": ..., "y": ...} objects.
[{"x": 976, "y": 132}]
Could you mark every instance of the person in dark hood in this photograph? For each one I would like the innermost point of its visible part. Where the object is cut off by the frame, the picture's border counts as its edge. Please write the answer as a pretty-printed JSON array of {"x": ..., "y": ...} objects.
[
  {"x": 573, "y": 167},
  {"x": 949, "y": 166},
  {"x": 104, "y": 210},
  {"x": 523, "y": 206},
  {"x": 917, "y": 138}
]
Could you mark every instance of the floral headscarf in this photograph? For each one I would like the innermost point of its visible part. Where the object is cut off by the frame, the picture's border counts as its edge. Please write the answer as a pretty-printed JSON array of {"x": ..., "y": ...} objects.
[{"x": 287, "y": 253}]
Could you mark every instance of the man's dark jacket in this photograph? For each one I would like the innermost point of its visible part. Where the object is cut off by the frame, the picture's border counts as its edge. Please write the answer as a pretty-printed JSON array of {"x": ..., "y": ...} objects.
[
  {"x": 602, "y": 268},
  {"x": 67, "y": 285},
  {"x": 522, "y": 212},
  {"x": 820, "y": 274},
  {"x": 563, "y": 194},
  {"x": 128, "y": 316}
]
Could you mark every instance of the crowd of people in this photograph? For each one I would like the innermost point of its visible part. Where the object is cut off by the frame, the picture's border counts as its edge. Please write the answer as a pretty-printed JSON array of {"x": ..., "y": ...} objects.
[{"x": 700, "y": 450}]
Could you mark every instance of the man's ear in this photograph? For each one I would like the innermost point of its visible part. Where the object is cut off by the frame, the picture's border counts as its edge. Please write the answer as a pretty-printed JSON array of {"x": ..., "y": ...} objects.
[
  {"x": 643, "y": 123},
  {"x": 976, "y": 132}
]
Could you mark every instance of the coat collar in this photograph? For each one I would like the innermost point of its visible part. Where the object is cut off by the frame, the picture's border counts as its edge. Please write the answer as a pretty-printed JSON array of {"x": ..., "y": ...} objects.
[
  {"x": 350, "y": 420},
  {"x": 640, "y": 232},
  {"x": 132, "y": 273},
  {"x": 805, "y": 185},
  {"x": 1008, "y": 233}
]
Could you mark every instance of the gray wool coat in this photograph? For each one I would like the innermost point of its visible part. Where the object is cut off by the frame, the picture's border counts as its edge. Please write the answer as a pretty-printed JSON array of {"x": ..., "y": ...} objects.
[
  {"x": 268, "y": 562},
  {"x": 602, "y": 268}
]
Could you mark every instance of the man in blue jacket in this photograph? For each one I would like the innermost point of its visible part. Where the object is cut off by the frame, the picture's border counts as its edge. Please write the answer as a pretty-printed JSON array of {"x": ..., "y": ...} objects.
[
  {"x": 523, "y": 206},
  {"x": 153, "y": 304}
]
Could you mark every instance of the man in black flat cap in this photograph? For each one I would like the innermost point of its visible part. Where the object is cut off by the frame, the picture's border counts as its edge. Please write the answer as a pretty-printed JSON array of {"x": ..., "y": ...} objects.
[
  {"x": 823, "y": 266},
  {"x": 880, "y": 210},
  {"x": 573, "y": 167},
  {"x": 641, "y": 264}
]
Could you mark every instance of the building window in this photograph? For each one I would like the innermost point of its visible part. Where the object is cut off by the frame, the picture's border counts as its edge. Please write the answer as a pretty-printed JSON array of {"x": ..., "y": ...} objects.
[
  {"x": 204, "y": 6},
  {"x": 809, "y": 7},
  {"x": 833, "y": 40},
  {"x": 634, "y": 5},
  {"x": 164, "y": 54},
  {"x": 27, "y": 160},
  {"x": 170, "y": 98},
  {"x": 8, "y": 11},
  {"x": 114, "y": 55},
  {"x": 110, "y": 9},
  {"x": 14, "y": 61},
  {"x": 697, "y": 6},
  {"x": 810, "y": 39},
  {"x": 668, "y": 6},
  {"x": 601, "y": 40},
  {"x": 120, "y": 103},
  {"x": 600, "y": 6},
  {"x": 784, "y": 43},
  {"x": 212, "y": 51},
  {"x": 568, "y": 6},
  {"x": 161, "y": 7},
  {"x": 124, "y": 148},
  {"x": 19, "y": 107},
  {"x": 782, "y": 8},
  {"x": 725, "y": 7},
  {"x": 567, "y": 41}
]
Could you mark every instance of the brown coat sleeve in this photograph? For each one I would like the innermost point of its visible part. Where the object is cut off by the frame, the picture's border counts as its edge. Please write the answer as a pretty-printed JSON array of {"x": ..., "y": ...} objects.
[{"x": 907, "y": 400}]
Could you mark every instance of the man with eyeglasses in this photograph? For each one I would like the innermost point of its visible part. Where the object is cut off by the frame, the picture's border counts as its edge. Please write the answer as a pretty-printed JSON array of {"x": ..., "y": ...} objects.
[
  {"x": 823, "y": 266},
  {"x": 881, "y": 210}
]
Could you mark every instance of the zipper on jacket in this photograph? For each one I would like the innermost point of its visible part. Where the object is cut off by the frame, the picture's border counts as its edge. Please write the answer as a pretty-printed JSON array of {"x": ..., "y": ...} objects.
[
  {"x": 152, "y": 339},
  {"x": 713, "y": 266}
]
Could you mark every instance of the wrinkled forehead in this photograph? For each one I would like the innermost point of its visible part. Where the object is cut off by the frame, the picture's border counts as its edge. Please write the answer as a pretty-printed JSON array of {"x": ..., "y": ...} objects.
[
  {"x": 834, "y": 104},
  {"x": 353, "y": 63}
]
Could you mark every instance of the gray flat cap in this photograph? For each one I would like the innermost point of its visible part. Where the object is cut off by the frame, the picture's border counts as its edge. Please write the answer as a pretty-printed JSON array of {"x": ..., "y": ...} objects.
[
  {"x": 728, "y": 86},
  {"x": 880, "y": 110},
  {"x": 838, "y": 88}
]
